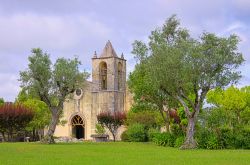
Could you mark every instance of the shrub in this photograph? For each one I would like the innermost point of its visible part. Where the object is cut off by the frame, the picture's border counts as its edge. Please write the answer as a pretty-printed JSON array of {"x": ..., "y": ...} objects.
[
  {"x": 151, "y": 133},
  {"x": 176, "y": 130},
  {"x": 179, "y": 141},
  {"x": 164, "y": 139},
  {"x": 212, "y": 142},
  {"x": 112, "y": 121},
  {"x": 124, "y": 136},
  {"x": 242, "y": 138},
  {"x": 226, "y": 137},
  {"x": 99, "y": 129},
  {"x": 150, "y": 119},
  {"x": 203, "y": 138},
  {"x": 14, "y": 118},
  {"x": 208, "y": 139},
  {"x": 137, "y": 133}
]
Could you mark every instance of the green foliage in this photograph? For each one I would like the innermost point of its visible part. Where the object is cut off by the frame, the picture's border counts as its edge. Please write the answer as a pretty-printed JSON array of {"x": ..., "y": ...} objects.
[
  {"x": 179, "y": 141},
  {"x": 224, "y": 137},
  {"x": 214, "y": 118},
  {"x": 51, "y": 83},
  {"x": 1, "y": 101},
  {"x": 176, "y": 68},
  {"x": 140, "y": 50},
  {"x": 137, "y": 133},
  {"x": 151, "y": 133},
  {"x": 124, "y": 136},
  {"x": 207, "y": 140},
  {"x": 234, "y": 101},
  {"x": 99, "y": 129},
  {"x": 176, "y": 130},
  {"x": 242, "y": 138},
  {"x": 225, "y": 125},
  {"x": 41, "y": 114},
  {"x": 150, "y": 119},
  {"x": 212, "y": 142},
  {"x": 245, "y": 115},
  {"x": 164, "y": 139},
  {"x": 142, "y": 105}
]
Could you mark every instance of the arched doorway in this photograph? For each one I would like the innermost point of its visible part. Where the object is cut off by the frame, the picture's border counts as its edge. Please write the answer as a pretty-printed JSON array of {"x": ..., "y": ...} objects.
[{"x": 78, "y": 127}]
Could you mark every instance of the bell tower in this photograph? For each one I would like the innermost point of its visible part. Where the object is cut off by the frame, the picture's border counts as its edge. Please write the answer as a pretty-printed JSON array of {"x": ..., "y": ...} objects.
[{"x": 109, "y": 79}]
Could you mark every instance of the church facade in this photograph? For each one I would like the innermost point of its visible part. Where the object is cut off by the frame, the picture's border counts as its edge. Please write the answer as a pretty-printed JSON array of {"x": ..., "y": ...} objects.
[{"x": 106, "y": 92}]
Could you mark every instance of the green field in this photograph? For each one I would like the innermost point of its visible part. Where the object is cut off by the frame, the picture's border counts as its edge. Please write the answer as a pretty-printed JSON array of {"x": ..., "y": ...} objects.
[{"x": 115, "y": 153}]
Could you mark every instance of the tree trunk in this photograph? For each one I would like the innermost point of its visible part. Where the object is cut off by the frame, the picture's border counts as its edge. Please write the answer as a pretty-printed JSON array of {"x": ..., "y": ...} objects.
[
  {"x": 167, "y": 121},
  {"x": 39, "y": 134},
  {"x": 33, "y": 135},
  {"x": 8, "y": 136},
  {"x": 49, "y": 139},
  {"x": 113, "y": 136},
  {"x": 190, "y": 142},
  {"x": 166, "y": 118},
  {"x": 3, "y": 137}
]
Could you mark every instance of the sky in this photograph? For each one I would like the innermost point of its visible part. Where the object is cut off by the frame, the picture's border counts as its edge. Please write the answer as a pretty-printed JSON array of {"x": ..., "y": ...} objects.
[{"x": 69, "y": 28}]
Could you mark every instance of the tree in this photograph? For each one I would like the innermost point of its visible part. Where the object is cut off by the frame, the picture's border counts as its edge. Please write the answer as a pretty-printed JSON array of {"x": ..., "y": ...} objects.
[
  {"x": 112, "y": 121},
  {"x": 234, "y": 101},
  {"x": 41, "y": 117},
  {"x": 145, "y": 92},
  {"x": 41, "y": 113},
  {"x": 185, "y": 69},
  {"x": 14, "y": 118},
  {"x": 52, "y": 84}
]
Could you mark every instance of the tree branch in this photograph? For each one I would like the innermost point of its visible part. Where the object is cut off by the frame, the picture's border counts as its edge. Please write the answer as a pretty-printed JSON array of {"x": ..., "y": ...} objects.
[
  {"x": 186, "y": 109},
  {"x": 203, "y": 95},
  {"x": 196, "y": 94},
  {"x": 186, "y": 98}
]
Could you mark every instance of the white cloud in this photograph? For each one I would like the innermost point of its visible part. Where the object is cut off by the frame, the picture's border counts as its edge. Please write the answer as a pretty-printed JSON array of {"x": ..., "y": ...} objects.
[
  {"x": 61, "y": 36},
  {"x": 9, "y": 86},
  {"x": 235, "y": 26},
  {"x": 52, "y": 32}
]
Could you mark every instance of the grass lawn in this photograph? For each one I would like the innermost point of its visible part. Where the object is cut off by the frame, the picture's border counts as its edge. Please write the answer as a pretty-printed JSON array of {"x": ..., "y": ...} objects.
[{"x": 115, "y": 153}]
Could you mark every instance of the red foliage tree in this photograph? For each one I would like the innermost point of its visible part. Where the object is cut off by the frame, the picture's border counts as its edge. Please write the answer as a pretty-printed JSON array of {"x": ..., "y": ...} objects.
[
  {"x": 14, "y": 118},
  {"x": 112, "y": 121}
]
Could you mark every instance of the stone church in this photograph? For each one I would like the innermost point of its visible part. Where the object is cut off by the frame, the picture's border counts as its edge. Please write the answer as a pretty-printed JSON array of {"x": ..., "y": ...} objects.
[{"x": 106, "y": 92}]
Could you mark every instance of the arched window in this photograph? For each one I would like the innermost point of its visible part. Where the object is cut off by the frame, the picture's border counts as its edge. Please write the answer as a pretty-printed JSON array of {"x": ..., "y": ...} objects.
[
  {"x": 119, "y": 76},
  {"x": 103, "y": 75},
  {"x": 77, "y": 120}
]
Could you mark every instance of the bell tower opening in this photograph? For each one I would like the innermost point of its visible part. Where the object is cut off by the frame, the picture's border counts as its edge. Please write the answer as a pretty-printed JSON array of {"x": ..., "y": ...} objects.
[
  {"x": 103, "y": 75},
  {"x": 119, "y": 75},
  {"x": 78, "y": 127}
]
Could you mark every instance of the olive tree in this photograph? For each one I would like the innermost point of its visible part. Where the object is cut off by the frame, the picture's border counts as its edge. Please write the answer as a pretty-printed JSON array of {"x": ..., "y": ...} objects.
[
  {"x": 52, "y": 83},
  {"x": 185, "y": 69}
]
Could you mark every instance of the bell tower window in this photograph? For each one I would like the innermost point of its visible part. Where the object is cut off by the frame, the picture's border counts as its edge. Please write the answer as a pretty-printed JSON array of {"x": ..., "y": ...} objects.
[
  {"x": 119, "y": 76},
  {"x": 103, "y": 75}
]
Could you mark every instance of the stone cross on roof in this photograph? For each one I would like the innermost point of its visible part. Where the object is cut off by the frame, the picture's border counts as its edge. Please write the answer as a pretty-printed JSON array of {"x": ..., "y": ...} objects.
[{"x": 108, "y": 50}]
